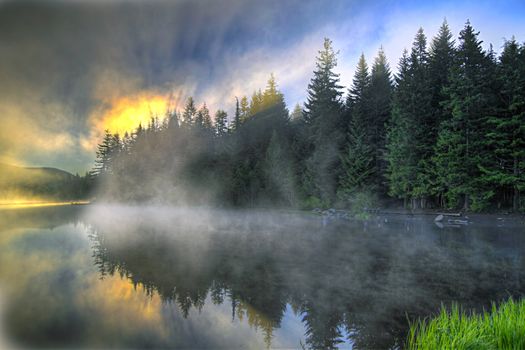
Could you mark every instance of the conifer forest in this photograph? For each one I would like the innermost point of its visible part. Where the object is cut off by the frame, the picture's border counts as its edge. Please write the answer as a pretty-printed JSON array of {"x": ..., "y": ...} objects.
[{"x": 447, "y": 130}]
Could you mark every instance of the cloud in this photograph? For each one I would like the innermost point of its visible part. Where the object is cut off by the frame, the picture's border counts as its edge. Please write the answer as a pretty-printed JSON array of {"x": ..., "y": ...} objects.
[
  {"x": 20, "y": 134},
  {"x": 78, "y": 60},
  {"x": 249, "y": 72}
]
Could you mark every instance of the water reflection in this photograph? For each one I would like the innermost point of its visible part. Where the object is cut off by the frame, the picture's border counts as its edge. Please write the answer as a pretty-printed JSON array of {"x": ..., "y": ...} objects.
[
  {"x": 341, "y": 279},
  {"x": 344, "y": 284}
]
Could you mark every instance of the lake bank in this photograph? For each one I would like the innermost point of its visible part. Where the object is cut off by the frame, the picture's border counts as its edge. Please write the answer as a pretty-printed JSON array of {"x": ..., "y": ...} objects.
[{"x": 37, "y": 204}]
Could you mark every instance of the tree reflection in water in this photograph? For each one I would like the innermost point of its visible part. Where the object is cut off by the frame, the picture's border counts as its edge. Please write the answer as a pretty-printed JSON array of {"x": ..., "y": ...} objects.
[{"x": 348, "y": 281}]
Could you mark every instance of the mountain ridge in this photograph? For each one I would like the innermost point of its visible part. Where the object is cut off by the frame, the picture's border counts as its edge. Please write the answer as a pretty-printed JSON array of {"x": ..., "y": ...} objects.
[{"x": 38, "y": 183}]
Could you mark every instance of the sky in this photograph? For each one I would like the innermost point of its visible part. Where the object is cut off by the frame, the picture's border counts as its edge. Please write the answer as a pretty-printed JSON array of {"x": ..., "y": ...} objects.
[{"x": 70, "y": 69}]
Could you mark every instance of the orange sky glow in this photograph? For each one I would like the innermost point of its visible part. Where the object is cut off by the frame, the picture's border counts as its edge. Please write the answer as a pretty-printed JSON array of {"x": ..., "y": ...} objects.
[{"x": 124, "y": 114}]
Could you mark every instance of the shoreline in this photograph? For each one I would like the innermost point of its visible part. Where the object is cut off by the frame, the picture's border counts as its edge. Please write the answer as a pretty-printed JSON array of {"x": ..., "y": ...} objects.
[
  {"x": 330, "y": 213},
  {"x": 39, "y": 204}
]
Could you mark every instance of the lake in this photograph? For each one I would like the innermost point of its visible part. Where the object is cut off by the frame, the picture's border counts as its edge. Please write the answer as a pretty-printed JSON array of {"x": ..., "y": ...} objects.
[{"x": 156, "y": 277}]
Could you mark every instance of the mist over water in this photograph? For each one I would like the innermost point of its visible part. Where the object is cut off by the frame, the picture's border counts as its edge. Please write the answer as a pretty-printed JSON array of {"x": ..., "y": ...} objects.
[{"x": 158, "y": 277}]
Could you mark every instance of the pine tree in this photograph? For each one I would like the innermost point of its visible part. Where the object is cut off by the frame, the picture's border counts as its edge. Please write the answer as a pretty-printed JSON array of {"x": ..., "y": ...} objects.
[
  {"x": 358, "y": 168},
  {"x": 400, "y": 158},
  {"x": 506, "y": 132},
  {"x": 322, "y": 117},
  {"x": 297, "y": 113},
  {"x": 199, "y": 118},
  {"x": 441, "y": 61},
  {"x": 190, "y": 112},
  {"x": 139, "y": 131},
  {"x": 379, "y": 109},
  {"x": 207, "y": 119},
  {"x": 420, "y": 111},
  {"x": 106, "y": 152},
  {"x": 221, "y": 123},
  {"x": 323, "y": 106},
  {"x": 237, "y": 118},
  {"x": 271, "y": 95},
  {"x": 461, "y": 149},
  {"x": 127, "y": 142},
  {"x": 357, "y": 99},
  {"x": 173, "y": 120},
  {"x": 245, "y": 109},
  {"x": 357, "y": 161},
  {"x": 203, "y": 118},
  {"x": 256, "y": 102},
  {"x": 411, "y": 115}
]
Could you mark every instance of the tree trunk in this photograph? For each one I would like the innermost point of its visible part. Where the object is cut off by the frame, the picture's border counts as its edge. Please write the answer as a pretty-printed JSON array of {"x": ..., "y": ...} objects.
[
  {"x": 516, "y": 194},
  {"x": 516, "y": 199},
  {"x": 466, "y": 203}
]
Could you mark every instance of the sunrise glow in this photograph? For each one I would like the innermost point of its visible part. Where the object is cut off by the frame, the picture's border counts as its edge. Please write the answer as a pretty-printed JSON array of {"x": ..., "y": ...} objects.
[{"x": 126, "y": 113}]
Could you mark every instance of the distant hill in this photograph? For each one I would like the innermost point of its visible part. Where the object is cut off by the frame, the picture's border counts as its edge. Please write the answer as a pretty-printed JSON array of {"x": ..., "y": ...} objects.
[{"x": 20, "y": 183}]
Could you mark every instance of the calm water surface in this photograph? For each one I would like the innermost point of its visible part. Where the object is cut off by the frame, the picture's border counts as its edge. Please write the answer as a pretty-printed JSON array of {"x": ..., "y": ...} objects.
[{"x": 116, "y": 277}]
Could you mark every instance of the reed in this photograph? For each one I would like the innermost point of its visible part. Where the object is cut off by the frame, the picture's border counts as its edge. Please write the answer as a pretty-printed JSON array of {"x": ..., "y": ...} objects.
[{"x": 501, "y": 328}]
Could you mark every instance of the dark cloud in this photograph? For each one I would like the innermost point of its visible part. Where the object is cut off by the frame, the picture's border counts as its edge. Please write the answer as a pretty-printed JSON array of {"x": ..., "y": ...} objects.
[{"x": 61, "y": 60}]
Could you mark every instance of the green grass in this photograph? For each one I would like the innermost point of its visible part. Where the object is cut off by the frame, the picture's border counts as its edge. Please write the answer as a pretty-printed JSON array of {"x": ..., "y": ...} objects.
[{"x": 454, "y": 329}]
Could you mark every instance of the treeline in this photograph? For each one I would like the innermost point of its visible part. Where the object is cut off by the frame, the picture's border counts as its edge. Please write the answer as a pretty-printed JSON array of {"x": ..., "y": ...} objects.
[
  {"x": 40, "y": 184},
  {"x": 448, "y": 130}
]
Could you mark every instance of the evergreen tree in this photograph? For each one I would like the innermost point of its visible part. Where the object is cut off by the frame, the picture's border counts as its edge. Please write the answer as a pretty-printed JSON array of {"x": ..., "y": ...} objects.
[
  {"x": 297, "y": 113},
  {"x": 379, "y": 101},
  {"x": 203, "y": 118},
  {"x": 461, "y": 149},
  {"x": 207, "y": 120},
  {"x": 506, "y": 132},
  {"x": 357, "y": 99},
  {"x": 271, "y": 95},
  {"x": 322, "y": 117},
  {"x": 173, "y": 120},
  {"x": 237, "y": 119},
  {"x": 411, "y": 108},
  {"x": 221, "y": 123},
  {"x": 245, "y": 109},
  {"x": 358, "y": 166},
  {"x": 323, "y": 106},
  {"x": 441, "y": 61},
  {"x": 127, "y": 142},
  {"x": 420, "y": 114},
  {"x": 139, "y": 131},
  {"x": 256, "y": 102},
  {"x": 190, "y": 112},
  {"x": 106, "y": 152},
  {"x": 199, "y": 117},
  {"x": 400, "y": 162}
]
